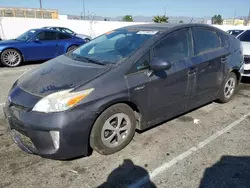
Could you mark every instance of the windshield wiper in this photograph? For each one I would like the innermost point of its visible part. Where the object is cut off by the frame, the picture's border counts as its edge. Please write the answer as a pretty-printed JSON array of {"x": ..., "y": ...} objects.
[{"x": 82, "y": 58}]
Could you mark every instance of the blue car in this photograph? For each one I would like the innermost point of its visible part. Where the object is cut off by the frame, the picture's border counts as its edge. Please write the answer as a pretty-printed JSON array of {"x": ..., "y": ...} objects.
[{"x": 37, "y": 44}]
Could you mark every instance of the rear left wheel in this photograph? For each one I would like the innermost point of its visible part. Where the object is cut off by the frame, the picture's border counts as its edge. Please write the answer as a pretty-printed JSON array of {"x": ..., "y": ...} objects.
[
  {"x": 113, "y": 129},
  {"x": 71, "y": 48},
  {"x": 229, "y": 88},
  {"x": 11, "y": 58}
]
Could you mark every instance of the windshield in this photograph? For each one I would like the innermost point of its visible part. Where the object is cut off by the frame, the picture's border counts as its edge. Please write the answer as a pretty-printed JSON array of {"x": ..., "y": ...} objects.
[
  {"x": 27, "y": 35},
  {"x": 235, "y": 32},
  {"x": 112, "y": 47},
  {"x": 67, "y": 31}
]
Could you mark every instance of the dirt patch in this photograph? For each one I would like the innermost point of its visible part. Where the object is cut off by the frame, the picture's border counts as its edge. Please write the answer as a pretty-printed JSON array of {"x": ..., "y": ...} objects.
[{"x": 185, "y": 119}]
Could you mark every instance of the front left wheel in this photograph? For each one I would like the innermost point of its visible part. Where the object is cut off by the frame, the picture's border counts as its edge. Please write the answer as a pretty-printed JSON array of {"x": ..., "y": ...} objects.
[
  {"x": 11, "y": 58},
  {"x": 113, "y": 129}
]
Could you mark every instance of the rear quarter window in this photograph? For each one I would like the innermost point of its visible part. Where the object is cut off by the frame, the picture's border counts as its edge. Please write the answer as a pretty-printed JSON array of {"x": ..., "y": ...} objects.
[{"x": 224, "y": 38}]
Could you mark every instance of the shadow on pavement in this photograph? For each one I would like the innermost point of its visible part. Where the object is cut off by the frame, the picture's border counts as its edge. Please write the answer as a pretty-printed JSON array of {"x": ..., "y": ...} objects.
[
  {"x": 229, "y": 172},
  {"x": 245, "y": 80},
  {"x": 125, "y": 175}
]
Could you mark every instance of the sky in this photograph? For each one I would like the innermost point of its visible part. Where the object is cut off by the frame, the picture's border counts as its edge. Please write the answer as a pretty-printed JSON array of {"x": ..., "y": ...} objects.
[{"x": 112, "y": 8}]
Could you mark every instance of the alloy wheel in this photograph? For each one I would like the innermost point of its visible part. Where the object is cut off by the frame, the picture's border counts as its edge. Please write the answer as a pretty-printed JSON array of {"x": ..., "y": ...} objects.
[
  {"x": 229, "y": 87},
  {"x": 115, "y": 130},
  {"x": 11, "y": 58}
]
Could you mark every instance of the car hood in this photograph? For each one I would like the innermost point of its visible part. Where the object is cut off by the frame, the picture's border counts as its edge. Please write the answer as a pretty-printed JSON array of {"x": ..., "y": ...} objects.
[
  {"x": 246, "y": 48},
  {"x": 59, "y": 74},
  {"x": 83, "y": 36}
]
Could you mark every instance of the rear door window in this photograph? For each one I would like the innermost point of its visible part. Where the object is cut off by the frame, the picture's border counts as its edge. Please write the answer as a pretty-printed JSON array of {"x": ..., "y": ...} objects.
[{"x": 205, "y": 40}]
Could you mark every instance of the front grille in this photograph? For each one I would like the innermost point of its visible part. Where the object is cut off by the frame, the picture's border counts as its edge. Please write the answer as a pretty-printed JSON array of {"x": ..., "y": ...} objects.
[
  {"x": 246, "y": 72},
  {"x": 247, "y": 59}
]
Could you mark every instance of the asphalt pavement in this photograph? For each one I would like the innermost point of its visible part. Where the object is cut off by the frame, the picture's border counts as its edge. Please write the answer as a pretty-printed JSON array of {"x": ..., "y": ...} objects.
[{"x": 208, "y": 147}]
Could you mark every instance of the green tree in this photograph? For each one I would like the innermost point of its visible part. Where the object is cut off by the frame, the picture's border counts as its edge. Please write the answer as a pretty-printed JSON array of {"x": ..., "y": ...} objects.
[
  {"x": 217, "y": 19},
  {"x": 181, "y": 21},
  {"x": 160, "y": 19},
  {"x": 127, "y": 18}
]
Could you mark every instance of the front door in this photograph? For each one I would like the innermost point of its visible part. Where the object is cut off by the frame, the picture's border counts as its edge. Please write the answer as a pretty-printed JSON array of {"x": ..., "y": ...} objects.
[
  {"x": 168, "y": 90},
  {"x": 138, "y": 83},
  {"x": 44, "y": 46}
]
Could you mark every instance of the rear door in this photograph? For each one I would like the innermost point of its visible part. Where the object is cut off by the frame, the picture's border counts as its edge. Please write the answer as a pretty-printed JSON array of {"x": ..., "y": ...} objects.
[
  {"x": 211, "y": 58},
  {"x": 44, "y": 46}
]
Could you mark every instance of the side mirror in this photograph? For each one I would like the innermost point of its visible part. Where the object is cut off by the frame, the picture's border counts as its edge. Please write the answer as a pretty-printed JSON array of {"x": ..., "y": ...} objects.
[
  {"x": 36, "y": 40},
  {"x": 158, "y": 65}
]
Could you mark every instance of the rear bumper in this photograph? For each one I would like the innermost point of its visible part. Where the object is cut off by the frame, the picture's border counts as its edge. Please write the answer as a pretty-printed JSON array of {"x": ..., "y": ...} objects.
[{"x": 31, "y": 131}]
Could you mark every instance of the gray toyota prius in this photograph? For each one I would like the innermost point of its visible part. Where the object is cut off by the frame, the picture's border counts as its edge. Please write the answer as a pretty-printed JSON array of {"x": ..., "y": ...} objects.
[{"x": 128, "y": 79}]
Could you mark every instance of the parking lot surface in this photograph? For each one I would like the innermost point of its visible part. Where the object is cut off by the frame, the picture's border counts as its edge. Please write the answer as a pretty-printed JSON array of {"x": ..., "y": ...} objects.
[{"x": 208, "y": 147}]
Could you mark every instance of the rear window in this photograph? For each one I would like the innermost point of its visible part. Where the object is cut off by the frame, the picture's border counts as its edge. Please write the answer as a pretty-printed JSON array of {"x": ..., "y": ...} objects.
[{"x": 205, "y": 40}]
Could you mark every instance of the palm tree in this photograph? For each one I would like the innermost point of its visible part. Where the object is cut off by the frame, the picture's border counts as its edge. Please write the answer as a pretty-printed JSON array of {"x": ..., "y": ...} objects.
[{"x": 160, "y": 19}]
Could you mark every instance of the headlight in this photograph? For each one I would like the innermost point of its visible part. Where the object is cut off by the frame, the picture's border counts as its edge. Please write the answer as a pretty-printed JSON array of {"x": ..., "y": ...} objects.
[{"x": 60, "y": 101}]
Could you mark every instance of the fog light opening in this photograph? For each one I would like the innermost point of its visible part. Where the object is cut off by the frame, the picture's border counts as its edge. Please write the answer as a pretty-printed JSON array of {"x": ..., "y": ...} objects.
[{"x": 55, "y": 138}]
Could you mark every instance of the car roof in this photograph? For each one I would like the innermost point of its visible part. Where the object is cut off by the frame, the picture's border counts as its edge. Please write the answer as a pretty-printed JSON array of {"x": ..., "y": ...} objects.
[
  {"x": 55, "y": 27},
  {"x": 165, "y": 26},
  {"x": 46, "y": 29}
]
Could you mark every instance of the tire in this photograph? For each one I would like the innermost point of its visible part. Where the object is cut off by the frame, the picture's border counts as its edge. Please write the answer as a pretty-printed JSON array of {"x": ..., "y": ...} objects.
[
  {"x": 106, "y": 132},
  {"x": 71, "y": 48},
  {"x": 11, "y": 58},
  {"x": 231, "y": 84},
  {"x": 86, "y": 39}
]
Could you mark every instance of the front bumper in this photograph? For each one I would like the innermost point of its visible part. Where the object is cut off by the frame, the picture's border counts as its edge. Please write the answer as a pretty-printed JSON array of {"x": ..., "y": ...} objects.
[
  {"x": 31, "y": 131},
  {"x": 246, "y": 71}
]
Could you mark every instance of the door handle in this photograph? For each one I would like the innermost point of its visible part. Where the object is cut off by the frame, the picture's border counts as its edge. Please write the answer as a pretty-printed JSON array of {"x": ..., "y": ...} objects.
[
  {"x": 223, "y": 59},
  {"x": 57, "y": 44},
  {"x": 192, "y": 71}
]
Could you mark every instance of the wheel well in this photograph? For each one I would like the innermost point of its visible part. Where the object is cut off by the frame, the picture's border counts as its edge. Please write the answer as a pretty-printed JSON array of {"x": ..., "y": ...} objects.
[
  {"x": 16, "y": 50},
  {"x": 73, "y": 45},
  {"x": 22, "y": 57},
  {"x": 130, "y": 104},
  {"x": 237, "y": 75}
]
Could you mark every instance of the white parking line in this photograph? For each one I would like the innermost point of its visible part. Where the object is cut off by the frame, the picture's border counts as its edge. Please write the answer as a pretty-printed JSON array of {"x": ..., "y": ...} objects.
[
  {"x": 15, "y": 70},
  {"x": 12, "y": 71},
  {"x": 2, "y": 104},
  {"x": 167, "y": 165}
]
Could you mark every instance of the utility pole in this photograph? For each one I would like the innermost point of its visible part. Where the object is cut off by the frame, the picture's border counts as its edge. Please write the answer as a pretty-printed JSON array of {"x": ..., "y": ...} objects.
[
  {"x": 83, "y": 9},
  {"x": 165, "y": 8},
  {"x": 248, "y": 18},
  {"x": 234, "y": 18},
  {"x": 41, "y": 6}
]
